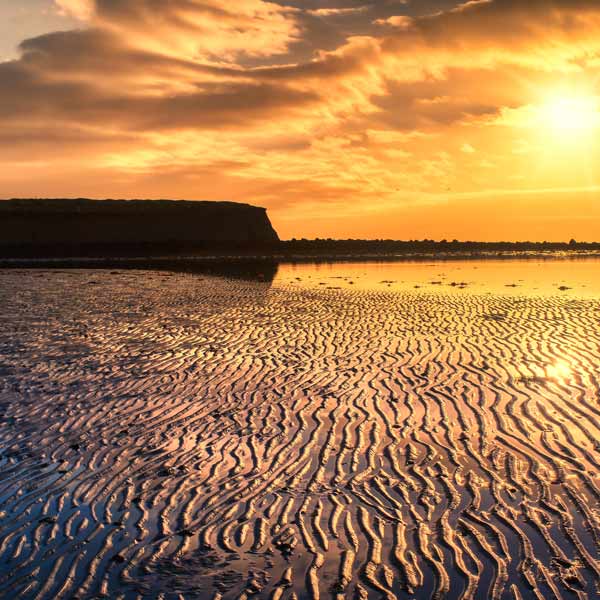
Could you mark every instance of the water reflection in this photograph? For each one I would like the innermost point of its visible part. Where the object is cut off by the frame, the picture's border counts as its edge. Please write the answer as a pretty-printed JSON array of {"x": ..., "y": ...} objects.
[
  {"x": 571, "y": 278},
  {"x": 243, "y": 269},
  {"x": 538, "y": 277}
]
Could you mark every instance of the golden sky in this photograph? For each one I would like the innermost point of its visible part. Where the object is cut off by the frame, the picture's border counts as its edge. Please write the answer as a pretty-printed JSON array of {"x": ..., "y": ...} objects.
[{"x": 390, "y": 118}]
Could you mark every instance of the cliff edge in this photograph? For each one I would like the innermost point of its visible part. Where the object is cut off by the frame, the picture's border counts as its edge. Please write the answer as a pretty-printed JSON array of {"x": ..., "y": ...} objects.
[{"x": 81, "y": 223}]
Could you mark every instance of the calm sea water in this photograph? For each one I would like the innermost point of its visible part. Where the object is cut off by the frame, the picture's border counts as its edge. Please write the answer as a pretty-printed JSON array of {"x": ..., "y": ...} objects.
[{"x": 577, "y": 277}]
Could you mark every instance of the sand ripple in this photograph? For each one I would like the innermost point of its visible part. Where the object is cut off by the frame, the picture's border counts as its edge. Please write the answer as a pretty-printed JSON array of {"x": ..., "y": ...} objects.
[{"x": 170, "y": 436}]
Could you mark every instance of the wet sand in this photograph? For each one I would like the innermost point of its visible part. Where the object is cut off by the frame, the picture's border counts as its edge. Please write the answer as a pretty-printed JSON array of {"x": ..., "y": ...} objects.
[{"x": 183, "y": 436}]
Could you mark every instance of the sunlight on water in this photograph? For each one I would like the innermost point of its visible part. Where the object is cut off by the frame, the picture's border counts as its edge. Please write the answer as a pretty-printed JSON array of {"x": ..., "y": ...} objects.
[{"x": 579, "y": 277}]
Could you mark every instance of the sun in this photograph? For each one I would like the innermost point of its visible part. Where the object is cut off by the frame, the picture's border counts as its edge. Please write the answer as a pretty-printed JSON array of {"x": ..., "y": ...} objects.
[{"x": 571, "y": 116}]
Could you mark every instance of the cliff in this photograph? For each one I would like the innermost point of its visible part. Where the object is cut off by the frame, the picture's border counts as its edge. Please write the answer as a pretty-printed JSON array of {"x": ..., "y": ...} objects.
[{"x": 60, "y": 225}]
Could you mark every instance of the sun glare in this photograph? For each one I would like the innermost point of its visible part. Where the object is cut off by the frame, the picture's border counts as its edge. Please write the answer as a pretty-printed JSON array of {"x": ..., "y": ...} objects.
[
  {"x": 560, "y": 371},
  {"x": 571, "y": 116}
]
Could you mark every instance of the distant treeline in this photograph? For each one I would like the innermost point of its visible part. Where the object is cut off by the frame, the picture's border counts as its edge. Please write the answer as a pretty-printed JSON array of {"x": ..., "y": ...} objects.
[
  {"x": 354, "y": 246},
  {"x": 295, "y": 249}
]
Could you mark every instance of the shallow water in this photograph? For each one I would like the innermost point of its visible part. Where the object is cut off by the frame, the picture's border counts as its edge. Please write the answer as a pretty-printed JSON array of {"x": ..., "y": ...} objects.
[
  {"x": 168, "y": 435},
  {"x": 579, "y": 277}
]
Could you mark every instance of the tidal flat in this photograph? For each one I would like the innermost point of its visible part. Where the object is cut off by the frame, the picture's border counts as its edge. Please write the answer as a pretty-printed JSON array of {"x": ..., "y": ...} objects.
[{"x": 326, "y": 431}]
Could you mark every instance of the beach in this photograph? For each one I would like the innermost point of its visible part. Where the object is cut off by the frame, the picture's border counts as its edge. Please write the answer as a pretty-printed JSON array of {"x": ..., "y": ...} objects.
[{"x": 328, "y": 433}]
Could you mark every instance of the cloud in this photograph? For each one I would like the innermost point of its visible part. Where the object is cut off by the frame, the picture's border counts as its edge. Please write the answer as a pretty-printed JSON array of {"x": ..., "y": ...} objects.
[
  {"x": 32, "y": 97},
  {"x": 80, "y": 9},
  {"x": 399, "y": 21},
  {"x": 334, "y": 12},
  {"x": 281, "y": 101},
  {"x": 539, "y": 33},
  {"x": 202, "y": 29},
  {"x": 150, "y": 63}
]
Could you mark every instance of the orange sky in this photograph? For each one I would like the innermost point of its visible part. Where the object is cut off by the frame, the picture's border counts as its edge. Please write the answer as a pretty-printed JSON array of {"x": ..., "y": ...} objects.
[{"x": 391, "y": 118}]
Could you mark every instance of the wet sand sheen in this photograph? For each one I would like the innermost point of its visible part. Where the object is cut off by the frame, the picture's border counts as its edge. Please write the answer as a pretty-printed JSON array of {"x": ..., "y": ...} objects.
[{"x": 183, "y": 437}]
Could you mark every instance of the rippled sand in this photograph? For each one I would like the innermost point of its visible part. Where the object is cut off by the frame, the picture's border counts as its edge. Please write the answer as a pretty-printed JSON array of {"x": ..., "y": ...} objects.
[{"x": 176, "y": 436}]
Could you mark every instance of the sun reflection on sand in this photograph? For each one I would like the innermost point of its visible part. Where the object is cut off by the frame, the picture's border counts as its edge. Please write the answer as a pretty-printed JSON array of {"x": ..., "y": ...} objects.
[
  {"x": 228, "y": 438},
  {"x": 560, "y": 371}
]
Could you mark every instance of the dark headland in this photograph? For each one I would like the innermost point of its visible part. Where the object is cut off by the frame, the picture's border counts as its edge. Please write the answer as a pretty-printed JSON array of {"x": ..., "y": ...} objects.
[
  {"x": 82, "y": 227},
  {"x": 144, "y": 230}
]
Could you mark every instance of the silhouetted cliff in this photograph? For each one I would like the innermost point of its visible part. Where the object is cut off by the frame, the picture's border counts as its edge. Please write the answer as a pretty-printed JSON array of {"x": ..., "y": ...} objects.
[{"x": 64, "y": 226}]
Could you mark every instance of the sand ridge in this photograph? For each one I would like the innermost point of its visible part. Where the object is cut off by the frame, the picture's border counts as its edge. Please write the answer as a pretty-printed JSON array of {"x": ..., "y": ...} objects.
[{"x": 174, "y": 436}]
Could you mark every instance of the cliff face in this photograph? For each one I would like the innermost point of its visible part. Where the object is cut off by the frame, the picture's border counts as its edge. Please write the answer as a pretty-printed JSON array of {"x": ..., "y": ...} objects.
[{"x": 71, "y": 223}]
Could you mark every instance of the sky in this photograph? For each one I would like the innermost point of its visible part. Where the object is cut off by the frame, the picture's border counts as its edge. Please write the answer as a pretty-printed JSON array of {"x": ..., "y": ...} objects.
[{"x": 404, "y": 119}]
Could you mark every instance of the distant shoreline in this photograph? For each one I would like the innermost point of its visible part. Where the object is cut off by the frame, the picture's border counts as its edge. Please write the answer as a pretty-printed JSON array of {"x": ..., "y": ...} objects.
[
  {"x": 319, "y": 249},
  {"x": 206, "y": 260},
  {"x": 83, "y": 230}
]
